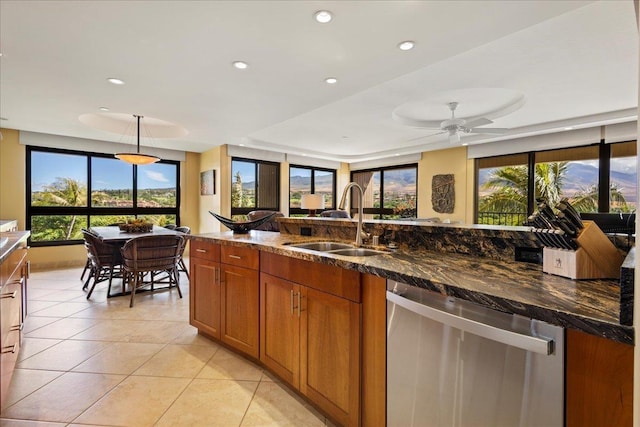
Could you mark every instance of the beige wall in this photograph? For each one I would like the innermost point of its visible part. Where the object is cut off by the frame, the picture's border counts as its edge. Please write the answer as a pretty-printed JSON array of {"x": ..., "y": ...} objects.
[
  {"x": 452, "y": 161},
  {"x": 217, "y": 160}
]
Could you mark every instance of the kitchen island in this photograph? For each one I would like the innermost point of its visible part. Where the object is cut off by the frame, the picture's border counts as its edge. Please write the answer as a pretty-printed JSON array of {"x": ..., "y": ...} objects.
[{"x": 320, "y": 291}]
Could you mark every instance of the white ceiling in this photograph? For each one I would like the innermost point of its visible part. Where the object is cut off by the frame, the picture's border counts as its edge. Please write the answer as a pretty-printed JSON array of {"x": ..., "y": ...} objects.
[{"x": 573, "y": 62}]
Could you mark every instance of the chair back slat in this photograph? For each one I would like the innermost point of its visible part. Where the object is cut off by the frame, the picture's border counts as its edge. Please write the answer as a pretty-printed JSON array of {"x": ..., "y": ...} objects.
[{"x": 152, "y": 253}]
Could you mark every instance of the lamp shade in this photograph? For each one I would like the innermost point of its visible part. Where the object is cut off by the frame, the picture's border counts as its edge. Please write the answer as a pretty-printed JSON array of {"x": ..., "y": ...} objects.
[{"x": 312, "y": 201}]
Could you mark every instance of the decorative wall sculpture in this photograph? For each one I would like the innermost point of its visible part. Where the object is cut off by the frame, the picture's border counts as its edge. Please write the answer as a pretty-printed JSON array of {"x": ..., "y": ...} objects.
[{"x": 443, "y": 193}]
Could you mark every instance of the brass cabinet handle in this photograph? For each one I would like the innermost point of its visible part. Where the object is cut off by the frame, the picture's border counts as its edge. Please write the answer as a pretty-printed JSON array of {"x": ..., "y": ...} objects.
[
  {"x": 235, "y": 257},
  {"x": 292, "y": 294},
  {"x": 299, "y": 302},
  {"x": 9, "y": 294},
  {"x": 9, "y": 349},
  {"x": 203, "y": 251},
  {"x": 19, "y": 281}
]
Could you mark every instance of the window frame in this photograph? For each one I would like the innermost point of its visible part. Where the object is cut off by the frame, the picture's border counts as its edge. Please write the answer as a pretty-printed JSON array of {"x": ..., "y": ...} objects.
[
  {"x": 604, "y": 175},
  {"x": 313, "y": 169},
  {"x": 382, "y": 211},
  {"x": 245, "y": 211},
  {"x": 89, "y": 211}
]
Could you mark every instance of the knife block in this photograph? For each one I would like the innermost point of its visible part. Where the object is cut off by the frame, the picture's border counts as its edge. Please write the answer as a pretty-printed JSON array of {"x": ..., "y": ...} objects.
[{"x": 595, "y": 258}]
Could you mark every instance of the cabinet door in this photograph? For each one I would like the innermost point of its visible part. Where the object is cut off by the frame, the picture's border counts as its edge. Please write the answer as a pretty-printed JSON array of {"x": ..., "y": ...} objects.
[
  {"x": 330, "y": 354},
  {"x": 240, "y": 308},
  {"x": 205, "y": 296},
  {"x": 279, "y": 327}
]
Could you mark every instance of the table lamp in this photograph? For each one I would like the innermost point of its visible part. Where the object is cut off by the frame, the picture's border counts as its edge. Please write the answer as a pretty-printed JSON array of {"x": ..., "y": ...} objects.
[{"x": 312, "y": 202}]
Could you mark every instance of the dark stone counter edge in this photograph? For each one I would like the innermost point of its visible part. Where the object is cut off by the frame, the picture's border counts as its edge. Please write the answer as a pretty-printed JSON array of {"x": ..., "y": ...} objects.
[
  {"x": 613, "y": 331},
  {"x": 16, "y": 238}
]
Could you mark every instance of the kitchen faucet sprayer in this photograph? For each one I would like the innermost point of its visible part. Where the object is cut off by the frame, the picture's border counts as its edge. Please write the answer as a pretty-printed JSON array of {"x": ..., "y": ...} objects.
[{"x": 343, "y": 202}]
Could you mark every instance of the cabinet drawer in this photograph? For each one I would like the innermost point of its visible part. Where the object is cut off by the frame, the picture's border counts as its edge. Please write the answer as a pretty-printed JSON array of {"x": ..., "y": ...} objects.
[
  {"x": 10, "y": 306},
  {"x": 326, "y": 278},
  {"x": 240, "y": 256},
  {"x": 10, "y": 271},
  {"x": 204, "y": 249}
]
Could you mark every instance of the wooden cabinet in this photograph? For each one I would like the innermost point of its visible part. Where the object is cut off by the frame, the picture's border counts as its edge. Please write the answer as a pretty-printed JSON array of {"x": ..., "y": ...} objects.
[
  {"x": 599, "y": 376},
  {"x": 13, "y": 277},
  {"x": 311, "y": 332},
  {"x": 204, "y": 285},
  {"x": 240, "y": 298},
  {"x": 224, "y": 294}
]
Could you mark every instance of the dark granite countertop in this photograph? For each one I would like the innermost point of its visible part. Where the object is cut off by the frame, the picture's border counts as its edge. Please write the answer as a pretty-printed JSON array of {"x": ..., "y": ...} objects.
[
  {"x": 10, "y": 241},
  {"x": 592, "y": 306}
]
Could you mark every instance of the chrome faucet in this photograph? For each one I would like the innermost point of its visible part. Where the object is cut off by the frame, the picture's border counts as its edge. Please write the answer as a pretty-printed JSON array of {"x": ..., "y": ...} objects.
[{"x": 343, "y": 201}]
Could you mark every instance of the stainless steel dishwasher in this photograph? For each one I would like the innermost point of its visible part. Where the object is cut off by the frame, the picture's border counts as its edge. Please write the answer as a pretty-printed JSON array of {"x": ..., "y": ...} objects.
[{"x": 455, "y": 363}]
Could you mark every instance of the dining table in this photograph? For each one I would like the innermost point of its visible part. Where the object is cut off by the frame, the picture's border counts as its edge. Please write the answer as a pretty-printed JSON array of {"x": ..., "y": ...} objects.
[
  {"x": 113, "y": 234},
  {"x": 117, "y": 238}
]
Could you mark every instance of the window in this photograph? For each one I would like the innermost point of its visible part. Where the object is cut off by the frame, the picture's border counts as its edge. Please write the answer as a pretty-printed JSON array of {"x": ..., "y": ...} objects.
[
  {"x": 389, "y": 193},
  {"x": 595, "y": 178},
  {"x": 70, "y": 190},
  {"x": 623, "y": 184},
  {"x": 255, "y": 185},
  {"x": 503, "y": 190},
  {"x": 307, "y": 179},
  {"x": 569, "y": 172}
]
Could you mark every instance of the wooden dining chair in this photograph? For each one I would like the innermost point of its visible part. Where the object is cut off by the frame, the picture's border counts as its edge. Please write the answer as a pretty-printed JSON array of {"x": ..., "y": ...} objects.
[
  {"x": 151, "y": 254},
  {"x": 181, "y": 264},
  {"x": 104, "y": 259}
]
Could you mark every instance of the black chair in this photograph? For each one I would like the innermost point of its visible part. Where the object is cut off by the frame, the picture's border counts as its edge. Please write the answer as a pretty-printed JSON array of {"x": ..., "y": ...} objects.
[
  {"x": 151, "y": 254},
  {"x": 334, "y": 213},
  {"x": 104, "y": 259},
  {"x": 271, "y": 225},
  {"x": 170, "y": 226}
]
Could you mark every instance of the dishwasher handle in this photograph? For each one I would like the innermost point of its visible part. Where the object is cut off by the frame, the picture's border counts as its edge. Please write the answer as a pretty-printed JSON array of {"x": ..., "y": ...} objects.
[{"x": 526, "y": 342}]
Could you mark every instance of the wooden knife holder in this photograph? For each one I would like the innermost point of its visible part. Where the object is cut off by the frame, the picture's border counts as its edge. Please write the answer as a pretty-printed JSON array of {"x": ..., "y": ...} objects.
[{"x": 595, "y": 258}]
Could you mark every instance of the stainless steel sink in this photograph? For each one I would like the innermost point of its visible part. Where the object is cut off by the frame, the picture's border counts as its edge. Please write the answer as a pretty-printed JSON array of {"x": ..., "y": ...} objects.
[
  {"x": 321, "y": 246},
  {"x": 357, "y": 252}
]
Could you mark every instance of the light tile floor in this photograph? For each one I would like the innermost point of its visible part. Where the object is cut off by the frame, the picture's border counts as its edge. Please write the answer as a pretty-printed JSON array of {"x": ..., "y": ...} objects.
[{"x": 101, "y": 363}]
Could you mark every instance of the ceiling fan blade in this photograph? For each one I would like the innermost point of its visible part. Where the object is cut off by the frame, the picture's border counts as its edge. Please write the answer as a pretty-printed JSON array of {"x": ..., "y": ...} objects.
[
  {"x": 480, "y": 121},
  {"x": 426, "y": 136},
  {"x": 497, "y": 131}
]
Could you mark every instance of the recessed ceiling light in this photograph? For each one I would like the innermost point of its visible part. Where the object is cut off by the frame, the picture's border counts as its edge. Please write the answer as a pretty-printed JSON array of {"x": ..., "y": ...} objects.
[
  {"x": 569, "y": 128},
  {"x": 240, "y": 65},
  {"x": 323, "y": 16},
  {"x": 331, "y": 80},
  {"x": 115, "y": 81},
  {"x": 406, "y": 45},
  {"x": 103, "y": 109},
  {"x": 464, "y": 144}
]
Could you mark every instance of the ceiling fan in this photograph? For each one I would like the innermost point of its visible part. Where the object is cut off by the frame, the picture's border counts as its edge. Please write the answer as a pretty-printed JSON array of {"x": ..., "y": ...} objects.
[{"x": 455, "y": 126}]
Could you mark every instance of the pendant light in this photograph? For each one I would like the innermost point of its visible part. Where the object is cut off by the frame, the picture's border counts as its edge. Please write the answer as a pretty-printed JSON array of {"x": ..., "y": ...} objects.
[{"x": 137, "y": 158}]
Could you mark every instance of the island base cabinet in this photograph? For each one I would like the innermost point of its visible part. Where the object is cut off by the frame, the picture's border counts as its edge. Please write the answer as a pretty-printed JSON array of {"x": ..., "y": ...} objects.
[
  {"x": 205, "y": 297},
  {"x": 599, "y": 381},
  {"x": 280, "y": 328},
  {"x": 330, "y": 354},
  {"x": 239, "y": 311},
  {"x": 311, "y": 339}
]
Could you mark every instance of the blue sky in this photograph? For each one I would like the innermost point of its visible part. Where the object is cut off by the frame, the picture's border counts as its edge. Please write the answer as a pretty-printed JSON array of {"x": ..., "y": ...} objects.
[{"x": 108, "y": 174}]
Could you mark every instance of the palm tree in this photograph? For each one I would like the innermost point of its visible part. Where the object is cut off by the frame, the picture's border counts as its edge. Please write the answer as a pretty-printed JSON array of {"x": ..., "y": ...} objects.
[
  {"x": 62, "y": 192},
  {"x": 510, "y": 185},
  {"x": 509, "y": 195}
]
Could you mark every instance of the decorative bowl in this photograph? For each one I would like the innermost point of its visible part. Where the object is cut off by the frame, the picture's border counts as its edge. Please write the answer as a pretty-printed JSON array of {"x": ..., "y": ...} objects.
[
  {"x": 242, "y": 227},
  {"x": 141, "y": 227}
]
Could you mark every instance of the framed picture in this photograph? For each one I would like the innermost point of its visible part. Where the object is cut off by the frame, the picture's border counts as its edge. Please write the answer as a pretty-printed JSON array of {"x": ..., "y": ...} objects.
[{"x": 208, "y": 182}]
